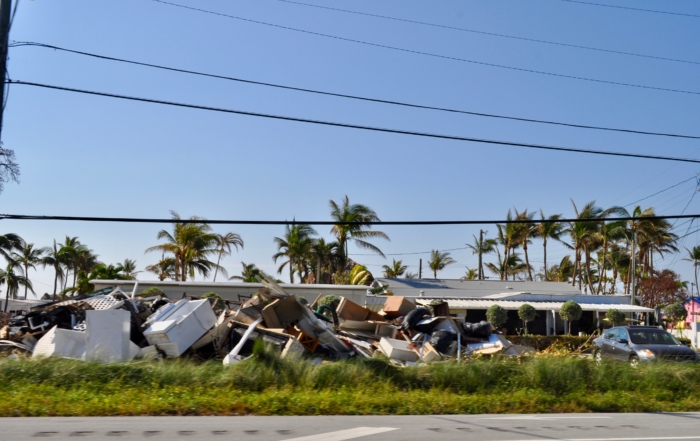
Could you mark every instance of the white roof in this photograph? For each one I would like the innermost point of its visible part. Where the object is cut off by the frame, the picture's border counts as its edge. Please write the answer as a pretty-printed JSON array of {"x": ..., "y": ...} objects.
[
  {"x": 541, "y": 306},
  {"x": 476, "y": 288}
]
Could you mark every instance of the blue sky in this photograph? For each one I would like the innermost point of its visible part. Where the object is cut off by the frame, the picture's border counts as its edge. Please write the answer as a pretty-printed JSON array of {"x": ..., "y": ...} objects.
[{"x": 92, "y": 156}]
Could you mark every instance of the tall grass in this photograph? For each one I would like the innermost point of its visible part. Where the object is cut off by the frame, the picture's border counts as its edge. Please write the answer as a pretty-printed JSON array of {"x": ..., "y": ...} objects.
[{"x": 267, "y": 384}]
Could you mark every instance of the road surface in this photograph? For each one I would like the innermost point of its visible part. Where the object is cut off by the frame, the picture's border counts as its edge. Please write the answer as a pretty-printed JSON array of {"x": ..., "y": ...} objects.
[{"x": 545, "y": 427}]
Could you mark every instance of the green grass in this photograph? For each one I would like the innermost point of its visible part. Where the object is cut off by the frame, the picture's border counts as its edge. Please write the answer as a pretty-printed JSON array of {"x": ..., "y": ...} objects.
[{"x": 268, "y": 385}]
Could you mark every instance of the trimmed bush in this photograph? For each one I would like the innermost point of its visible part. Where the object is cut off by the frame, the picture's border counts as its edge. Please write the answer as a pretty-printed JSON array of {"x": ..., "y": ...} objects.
[
  {"x": 676, "y": 312},
  {"x": 615, "y": 316},
  {"x": 526, "y": 313},
  {"x": 570, "y": 311},
  {"x": 152, "y": 291},
  {"x": 496, "y": 315},
  {"x": 330, "y": 300}
]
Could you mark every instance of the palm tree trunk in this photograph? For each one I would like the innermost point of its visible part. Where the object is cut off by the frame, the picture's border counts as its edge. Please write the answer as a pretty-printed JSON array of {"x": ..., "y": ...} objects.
[
  {"x": 527, "y": 261},
  {"x": 696, "y": 281},
  {"x": 546, "y": 276},
  {"x": 218, "y": 261},
  {"x": 55, "y": 283},
  {"x": 26, "y": 274},
  {"x": 602, "y": 269},
  {"x": 291, "y": 271},
  {"x": 588, "y": 270},
  {"x": 576, "y": 258}
]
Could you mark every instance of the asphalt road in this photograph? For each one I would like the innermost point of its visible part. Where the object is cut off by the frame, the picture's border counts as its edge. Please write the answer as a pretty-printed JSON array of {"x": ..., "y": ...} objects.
[{"x": 569, "y": 427}]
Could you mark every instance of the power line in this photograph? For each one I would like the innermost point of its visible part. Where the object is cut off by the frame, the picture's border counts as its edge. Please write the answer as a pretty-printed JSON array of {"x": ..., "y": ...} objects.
[
  {"x": 355, "y": 97},
  {"x": 493, "y": 34},
  {"x": 429, "y": 54},
  {"x": 360, "y": 127},
  {"x": 298, "y": 222},
  {"x": 659, "y": 192},
  {"x": 407, "y": 254},
  {"x": 632, "y": 9}
]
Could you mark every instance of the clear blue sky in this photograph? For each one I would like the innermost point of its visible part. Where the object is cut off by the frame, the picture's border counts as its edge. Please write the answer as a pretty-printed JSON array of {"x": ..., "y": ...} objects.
[{"x": 92, "y": 156}]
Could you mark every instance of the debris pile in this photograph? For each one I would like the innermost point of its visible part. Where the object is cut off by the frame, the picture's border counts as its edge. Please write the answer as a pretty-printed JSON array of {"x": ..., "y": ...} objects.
[{"x": 111, "y": 325}]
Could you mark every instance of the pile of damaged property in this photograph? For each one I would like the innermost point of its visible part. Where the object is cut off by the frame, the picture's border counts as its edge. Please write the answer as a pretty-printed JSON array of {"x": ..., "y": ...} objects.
[{"x": 115, "y": 326}]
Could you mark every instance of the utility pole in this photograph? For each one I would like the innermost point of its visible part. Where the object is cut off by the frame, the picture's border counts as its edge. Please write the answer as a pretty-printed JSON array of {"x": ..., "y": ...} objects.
[
  {"x": 481, "y": 247},
  {"x": 420, "y": 268},
  {"x": 5, "y": 9}
]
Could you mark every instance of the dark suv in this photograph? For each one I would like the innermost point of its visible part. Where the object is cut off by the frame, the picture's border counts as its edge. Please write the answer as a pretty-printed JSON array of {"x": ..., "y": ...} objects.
[{"x": 640, "y": 343}]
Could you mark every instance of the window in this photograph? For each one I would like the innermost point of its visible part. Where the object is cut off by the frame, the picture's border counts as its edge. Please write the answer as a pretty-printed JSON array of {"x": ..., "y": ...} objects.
[
  {"x": 610, "y": 335},
  {"x": 622, "y": 335},
  {"x": 653, "y": 337}
]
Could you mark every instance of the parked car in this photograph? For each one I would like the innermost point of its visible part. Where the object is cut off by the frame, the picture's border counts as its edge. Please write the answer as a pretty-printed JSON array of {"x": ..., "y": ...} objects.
[{"x": 635, "y": 344}]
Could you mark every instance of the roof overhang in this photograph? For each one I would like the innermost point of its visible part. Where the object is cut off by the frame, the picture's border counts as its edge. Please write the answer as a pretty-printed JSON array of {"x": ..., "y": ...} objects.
[{"x": 540, "y": 306}]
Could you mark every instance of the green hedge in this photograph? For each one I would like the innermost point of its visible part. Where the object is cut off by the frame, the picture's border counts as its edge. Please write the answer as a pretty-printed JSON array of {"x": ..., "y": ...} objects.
[{"x": 551, "y": 342}]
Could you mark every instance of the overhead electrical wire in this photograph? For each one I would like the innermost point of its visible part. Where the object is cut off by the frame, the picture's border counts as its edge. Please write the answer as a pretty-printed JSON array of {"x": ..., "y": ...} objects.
[
  {"x": 361, "y": 127},
  {"x": 632, "y": 9},
  {"x": 493, "y": 34},
  {"x": 354, "y": 97},
  {"x": 659, "y": 192},
  {"x": 298, "y": 222},
  {"x": 429, "y": 54},
  {"x": 407, "y": 254}
]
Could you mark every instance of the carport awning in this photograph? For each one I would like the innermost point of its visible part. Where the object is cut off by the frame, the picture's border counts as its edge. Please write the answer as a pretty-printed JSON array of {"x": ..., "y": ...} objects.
[{"x": 540, "y": 306}]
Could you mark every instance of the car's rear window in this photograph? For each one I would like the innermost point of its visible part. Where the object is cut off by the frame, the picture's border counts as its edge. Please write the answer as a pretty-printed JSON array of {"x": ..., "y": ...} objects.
[{"x": 652, "y": 337}]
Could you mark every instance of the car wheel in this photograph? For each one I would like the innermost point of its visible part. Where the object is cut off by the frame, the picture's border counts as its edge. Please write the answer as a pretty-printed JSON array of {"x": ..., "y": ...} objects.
[
  {"x": 598, "y": 357},
  {"x": 634, "y": 361}
]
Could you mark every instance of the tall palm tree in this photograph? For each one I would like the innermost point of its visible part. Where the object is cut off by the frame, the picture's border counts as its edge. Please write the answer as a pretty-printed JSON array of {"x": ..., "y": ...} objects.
[
  {"x": 128, "y": 269},
  {"x": 13, "y": 278},
  {"x": 358, "y": 232},
  {"x": 326, "y": 256},
  {"x": 295, "y": 245},
  {"x": 523, "y": 233},
  {"x": 28, "y": 257},
  {"x": 55, "y": 258},
  {"x": 224, "y": 242},
  {"x": 438, "y": 261},
  {"x": 190, "y": 243},
  {"x": 9, "y": 243},
  {"x": 551, "y": 229},
  {"x": 485, "y": 246},
  {"x": 396, "y": 270},
  {"x": 164, "y": 269},
  {"x": 694, "y": 257},
  {"x": 608, "y": 232},
  {"x": 507, "y": 237}
]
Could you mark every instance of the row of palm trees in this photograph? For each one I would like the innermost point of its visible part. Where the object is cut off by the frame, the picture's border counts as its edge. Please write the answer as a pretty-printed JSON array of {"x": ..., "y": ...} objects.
[
  {"x": 70, "y": 260},
  {"x": 602, "y": 249}
]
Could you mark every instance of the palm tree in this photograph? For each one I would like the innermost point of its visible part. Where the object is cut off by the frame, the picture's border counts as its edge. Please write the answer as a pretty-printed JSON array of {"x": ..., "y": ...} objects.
[
  {"x": 396, "y": 270},
  {"x": 410, "y": 275},
  {"x": 54, "y": 257},
  {"x": 128, "y": 269},
  {"x": 551, "y": 229},
  {"x": 486, "y": 246},
  {"x": 295, "y": 245},
  {"x": 28, "y": 257},
  {"x": 326, "y": 256},
  {"x": 13, "y": 281},
  {"x": 224, "y": 242},
  {"x": 561, "y": 272},
  {"x": 250, "y": 274},
  {"x": 608, "y": 232},
  {"x": 523, "y": 233},
  {"x": 694, "y": 257},
  {"x": 360, "y": 230},
  {"x": 190, "y": 243},
  {"x": 513, "y": 266},
  {"x": 164, "y": 269},
  {"x": 8, "y": 243},
  {"x": 438, "y": 261},
  {"x": 507, "y": 238},
  {"x": 471, "y": 274}
]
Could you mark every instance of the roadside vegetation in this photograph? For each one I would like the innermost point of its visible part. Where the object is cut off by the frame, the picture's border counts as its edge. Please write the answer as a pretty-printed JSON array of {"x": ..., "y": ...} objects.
[{"x": 269, "y": 385}]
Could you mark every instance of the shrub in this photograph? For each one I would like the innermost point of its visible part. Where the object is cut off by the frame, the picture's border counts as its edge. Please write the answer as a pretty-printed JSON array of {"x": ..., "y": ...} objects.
[
  {"x": 152, "y": 291},
  {"x": 214, "y": 299},
  {"x": 526, "y": 313},
  {"x": 570, "y": 311},
  {"x": 331, "y": 301},
  {"x": 676, "y": 312},
  {"x": 615, "y": 316},
  {"x": 496, "y": 315}
]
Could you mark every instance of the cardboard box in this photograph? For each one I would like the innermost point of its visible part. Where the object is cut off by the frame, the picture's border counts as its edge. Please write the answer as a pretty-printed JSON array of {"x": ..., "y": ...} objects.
[
  {"x": 397, "y": 306},
  {"x": 348, "y": 310}
]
